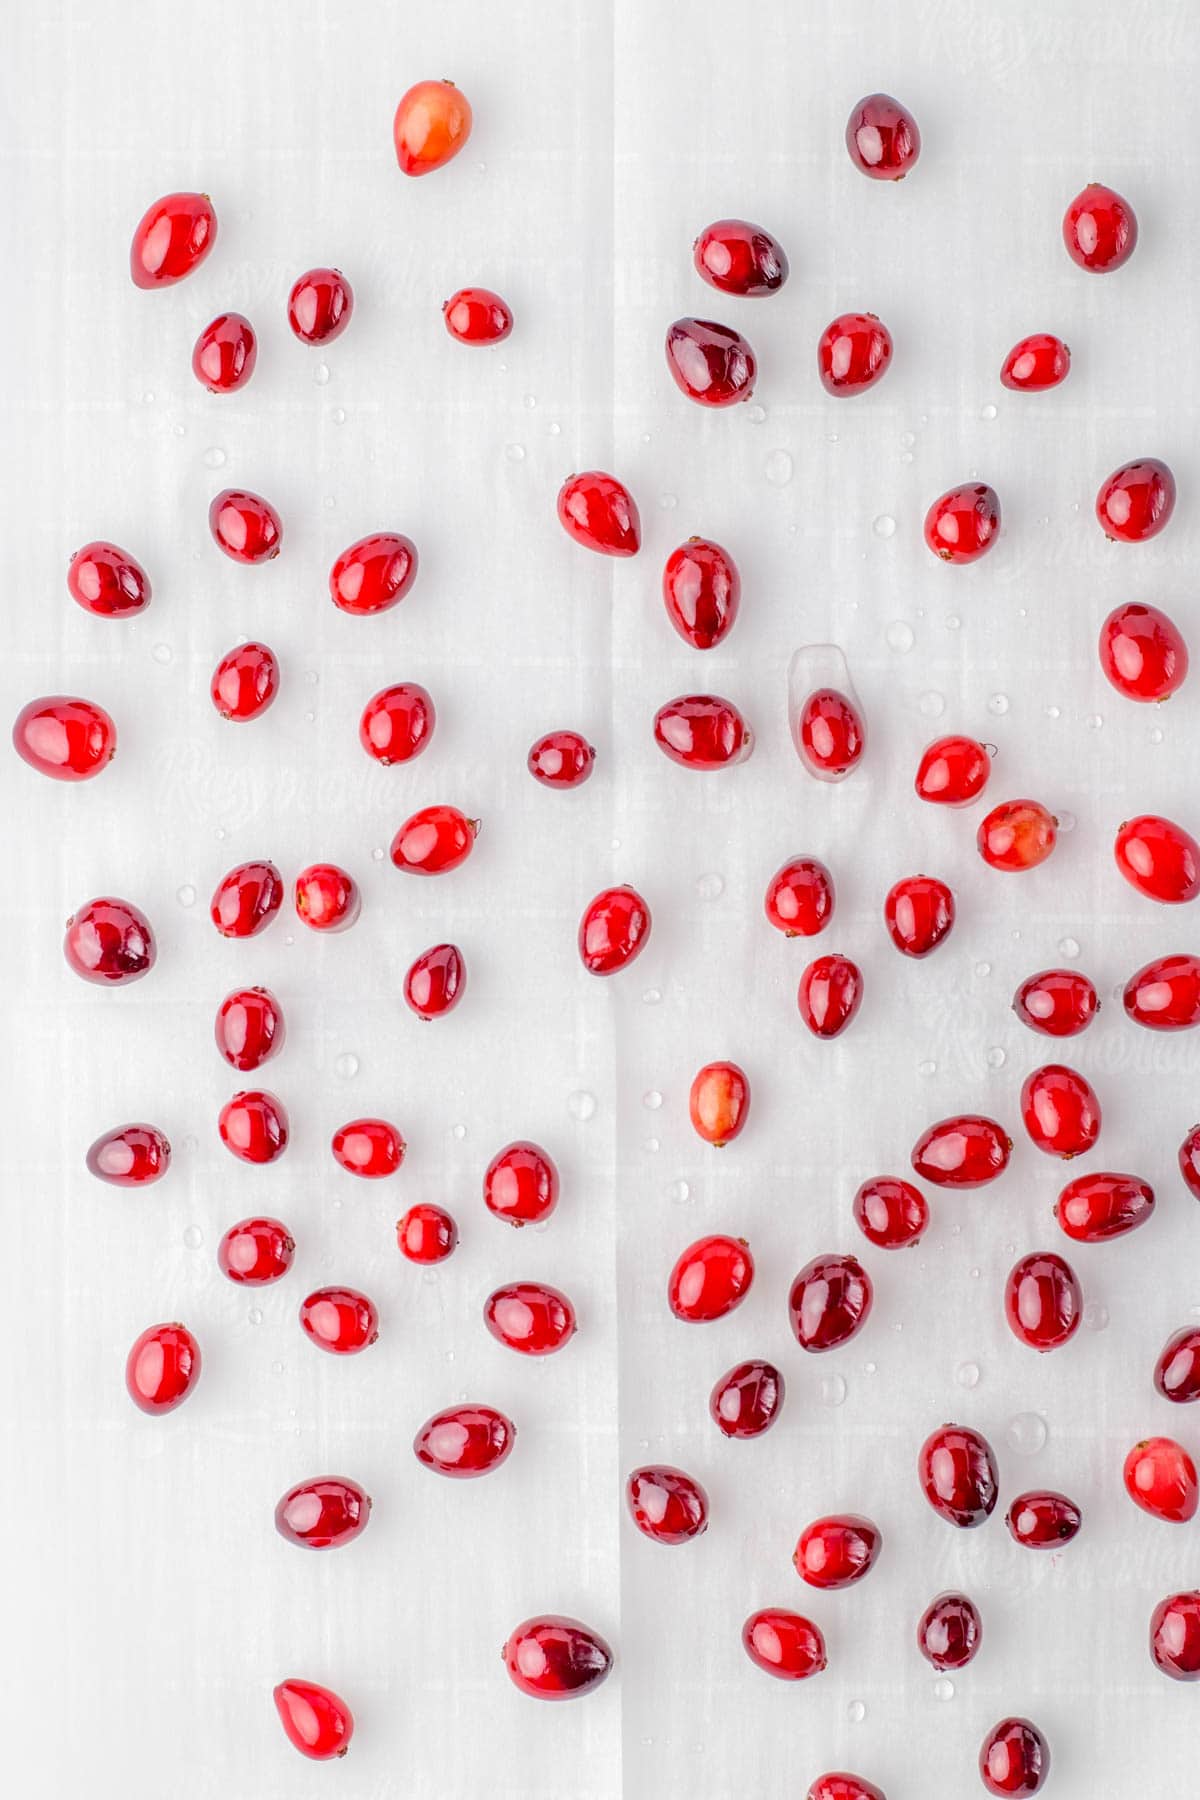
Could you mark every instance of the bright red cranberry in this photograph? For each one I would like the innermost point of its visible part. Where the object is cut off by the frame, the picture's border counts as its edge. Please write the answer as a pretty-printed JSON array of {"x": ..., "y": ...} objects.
[
  {"x": 245, "y": 682},
  {"x": 1060, "y": 1110},
  {"x": 613, "y": 930},
  {"x": 465, "y": 1441},
  {"x": 710, "y": 363},
  {"x": 1014, "y": 1758},
  {"x": 1043, "y": 1301},
  {"x": 130, "y": 1156},
  {"x": 1175, "y": 1636},
  {"x": 882, "y": 138},
  {"x": 963, "y": 523},
  {"x": 1189, "y": 1159},
  {"x": 800, "y": 897},
  {"x": 740, "y": 258},
  {"x": 249, "y": 1027},
  {"x": 320, "y": 305},
  {"x": 1017, "y": 835},
  {"x": 891, "y": 1213},
  {"x": 520, "y": 1184},
  {"x": 173, "y": 237},
  {"x": 561, "y": 759},
  {"x": 837, "y": 1551},
  {"x": 245, "y": 526},
  {"x": 109, "y": 941},
  {"x": 600, "y": 513},
  {"x": 958, "y": 1475},
  {"x": 254, "y": 1126},
  {"x": 434, "y": 841},
  {"x": 397, "y": 723},
  {"x": 1177, "y": 1371},
  {"x": 710, "y": 1278},
  {"x": 530, "y": 1317},
  {"x": 107, "y": 581},
  {"x": 953, "y": 771},
  {"x": 1093, "y": 1208},
  {"x": 702, "y": 592},
  {"x": 746, "y": 1400},
  {"x": 918, "y": 913},
  {"x": 666, "y": 1505},
  {"x": 719, "y": 1102},
  {"x": 65, "y": 738},
  {"x": 475, "y": 315},
  {"x": 964, "y": 1152},
  {"x": 324, "y": 1513},
  {"x": 1143, "y": 652},
  {"x": 829, "y": 735},
  {"x": 1099, "y": 229},
  {"x": 246, "y": 900},
  {"x": 554, "y": 1658},
  {"x": 316, "y": 1720},
  {"x": 224, "y": 355},
  {"x": 853, "y": 353},
  {"x": 830, "y": 1302},
  {"x": 327, "y": 899},
  {"x": 368, "y": 1147},
  {"x": 1158, "y": 858},
  {"x": 1057, "y": 1002},
  {"x": 340, "y": 1320},
  {"x": 1038, "y": 362},
  {"x": 162, "y": 1368},
  {"x": 1164, "y": 995},
  {"x": 950, "y": 1631},
  {"x": 374, "y": 574},
  {"x": 1160, "y": 1477},
  {"x": 838, "y": 1785},
  {"x": 1136, "y": 501},
  {"x": 1042, "y": 1519},
  {"x": 830, "y": 994},
  {"x": 702, "y": 731},
  {"x": 436, "y": 981},
  {"x": 426, "y": 1234},
  {"x": 432, "y": 123},
  {"x": 256, "y": 1251},
  {"x": 784, "y": 1644}
]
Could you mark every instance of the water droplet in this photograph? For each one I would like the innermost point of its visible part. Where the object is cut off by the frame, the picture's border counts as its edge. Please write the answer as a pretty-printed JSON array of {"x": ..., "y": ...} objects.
[
  {"x": 831, "y": 437},
  {"x": 908, "y": 439},
  {"x": 322, "y": 374},
  {"x": 310, "y": 717},
  {"x": 162, "y": 653},
  {"x": 967, "y": 1374},
  {"x": 581, "y": 1104},
  {"x": 554, "y": 428},
  {"x": 1095, "y": 721},
  {"x": 884, "y": 526},
  {"x": 1054, "y": 712},
  {"x": 449, "y": 1356},
  {"x": 652, "y": 996},
  {"x": 953, "y": 622},
  {"x": 869, "y": 1368},
  {"x": 1066, "y": 820},
  {"x": 1095, "y": 1315},
  {"x": 1068, "y": 947},
  {"x": 503, "y": 368},
  {"x": 429, "y": 1277},
  {"x": 710, "y": 887},
  {"x": 515, "y": 452},
  {"x": 678, "y": 1192},
  {"x": 147, "y": 398},
  {"x": 615, "y": 844},
  {"x": 289, "y": 940},
  {"x": 277, "y": 1368},
  {"x": 988, "y": 411},
  {"x": 906, "y": 456},
  {"x": 899, "y": 636},
  {"x": 193, "y": 1237},
  {"x": 983, "y": 968},
  {"x": 214, "y": 458},
  {"x": 531, "y": 401},
  {"x": 645, "y": 437},
  {"x": 756, "y": 414},
  {"x": 186, "y": 895},
  {"x": 943, "y": 1688},
  {"x": 220, "y": 834},
  {"x": 459, "y": 1132},
  {"x": 778, "y": 467},
  {"x": 932, "y": 704},
  {"x": 998, "y": 704},
  {"x": 651, "y": 1143},
  {"x": 927, "y": 1068},
  {"x": 856, "y": 1712},
  {"x": 833, "y": 1389},
  {"x": 1156, "y": 735},
  {"x": 330, "y": 502},
  {"x": 338, "y": 415},
  {"x": 1026, "y": 1433},
  {"x": 996, "y": 1057},
  {"x": 652, "y": 1099},
  {"x": 377, "y": 853},
  {"x": 345, "y": 1066},
  {"x": 668, "y": 502}
]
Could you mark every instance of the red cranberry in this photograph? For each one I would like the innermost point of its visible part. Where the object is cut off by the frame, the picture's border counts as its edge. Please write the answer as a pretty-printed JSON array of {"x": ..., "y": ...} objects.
[
  {"x": 397, "y": 723},
  {"x": 784, "y": 1644},
  {"x": 829, "y": 735},
  {"x": 740, "y": 258},
  {"x": 963, "y": 523},
  {"x": 1099, "y": 229},
  {"x": 65, "y": 738},
  {"x": 613, "y": 930},
  {"x": 432, "y": 123},
  {"x": 477, "y": 316},
  {"x": 958, "y": 1475},
  {"x": 324, "y": 1513},
  {"x": 554, "y": 1658},
  {"x": 891, "y": 1213},
  {"x": 1042, "y": 1520},
  {"x": 1175, "y": 1636},
  {"x": 109, "y": 940},
  {"x": 434, "y": 841},
  {"x": 426, "y": 1234},
  {"x": 254, "y": 1126},
  {"x": 837, "y": 1551},
  {"x": 1159, "y": 858},
  {"x": 162, "y": 1368},
  {"x": 1160, "y": 1477},
  {"x": 1017, "y": 835},
  {"x": 1136, "y": 501},
  {"x": 830, "y": 994},
  {"x": 1038, "y": 362},
  {"x": 800, "y": 897},
  {"x": 710, "y": 363},
  {"x": 853, "y": 353},
  {"x": 107, "y": 581},
  {"x": 918, "y": 913},
  {"x": 600, "y": 513},
  {"x": 245, "y": 682},
  {"x": 436, "y": 981},
  {"x": 710, "y": 1278},
  {"x": 882, "y": 138},
  {"x": 561, "y": 759},
  {"x": 520, "y": 1184},
  {"x": 130, "y": 1156},
  {"x": 702, "y": 592},
  {"x": 949, "y": 1631},
  {"x": 316, "y": 1720},
  {"x": 246, "y": 900},
  {"x": 373, "y": 574},
  {"x": 320, "y": 305},
  {"x": 838, "y": 1785},
  {"x": 719, "y": 1102},
  {"x": 327, "y": 899},
  {"x": 465, "y": 1441},
  {"x": 1058, "y": 1002},
  {"x": 249, "y": 1027},
  {"x": 666, "y": 1505},
  {"x": 530, "y": 1317},
  {"x": 1043, "y": 1301},
  {"x": 245, "y": 526},
  {"x": 746, "y": 1400},
  {"x": 224, "y": 355},
  {"x": 702, "y": 731},
  {"x": 1093, "y": 1208},
  {"x": 953, "y": 771},
  {"x": 1164, "y": 995},
  {"x": 1189, "y": 1160},
  {"x": 1143, "y": 652},
  {"x": 1014, "y": 1758},
  {"x": 964, "y": 1152},
  {"x": 173, "y": 237},
  {"x": 256, "y": 1251},
  {"x": 830, "y": 1302},
  {"x": 1177, "y": 1371},
  {"x": 1060, "y": 1110},
  {"x": 340, "y": 1320},
  {"x": 368, "y": 1147}
]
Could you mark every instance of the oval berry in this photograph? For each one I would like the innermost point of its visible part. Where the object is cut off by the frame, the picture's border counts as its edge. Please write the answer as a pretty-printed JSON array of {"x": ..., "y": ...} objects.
[
  {"x": 475, "y": 315},
  {"x": 1164, "y": 995},
  {"x": 953, "y": 771},
  {"x": 1014, "y": 1758},
  {"x": 918, "y": 913},
  {"x": 740, "y": 258},
  {"x": 600, "y": 513},
  {"x": 963, "y": 1152},
  {"x": 1038, "y": 362},
  {"x": 340, "y": 1320},
  {"x": 746, "y": 1400},
  {"x": 1189, "y": 1160},
  {"x": 397, "y": 723},
  {"x": 830, "y": 1302},
  {"x": 464, "y": 1442},
  {"x": 1160, "y": 1477},
  {"x": 1158, "y": 858},
  {"x": 561, "y": 759},
  {"x": 710, "y": 1278},
  {"x": 963, "y": 523},
  {"x": 106, "y": 581},
  {"x": 254, "y": 1126},
  {"x": 256, "y": 1251},
  {"x": 702, "y": 592},
  {"x": 1093, "y": 1208},
  {"x": 109, "y": 941},
  {"x": 172, "y": 238},
  {"x": 1136, "y": 501},
  {"x": 436, "y": 981},
  {"x": 246, "y": 899},
  {"x": 245, "y": 526},
  {"x": 800, "y": 897},
  {"x": 520, "y": 1184},
  {"x": 1177, "y": 1371},
  {"x": 702, "y": 731},
  {"x": 853, "y": 353},
  {"x": 1043, "y": 1301},
  {"x": 1057, "y": 1002},
  {"x": 315, "y": 1719},
  {"x": 613, "y": 930},
  {"x": 323, "y": 1513},
  {"x": 949, "y": 1631},
  {"x": 1099, "y": 229},
  {"x": 65, "y": 738},
  {"x": 434, "y": 841},
  {"x": 1060, "y": 1110},
  {"x": 1043, "y": 1520},
  {"x": 1017, "y": 835},
  {"x": 710, "y": 363},
  {"x": 958, "y": 1475},
  {"x": 320, "y": 305},
  {"x": 892, "y": 1214},
  {"x": 373, "y": 574},
  {"x": 829, "y": 735},
  {"x": 245, "y": 682},
  {"x": 426, "y": 1234},
  {"x": 838, "y": 1785},
  {"x": 882, "y": 138},
  {"x": 554, "y": 1658},
  {"x": 224, "y": 355},
  {"x": 432, "y": 123},
  {"x": 162, "y": 1368},
  {"x": 719, "y": 1102},
  {"x": 368, "y": 1147},
  {"x": 130, "y": 1156},
  {"x": 327, "y": 898},
  {"x": 1143, "y": 653},
  {"x": 837, "y": 1551},
  {"x": 666, "y": 1505},
  {"x": 1175, "y": 1636},
  {"x": 784, "y": 1644},
  {"x": 530, "y": 1317},
  {"x": 249, "y": 1027},
  {"x": 830, "y": 994}
]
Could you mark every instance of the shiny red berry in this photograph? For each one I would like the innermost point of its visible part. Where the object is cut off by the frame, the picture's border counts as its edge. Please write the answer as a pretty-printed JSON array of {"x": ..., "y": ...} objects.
[
  {"x": 245, "y": 682},
  {"x": 963, "y": 523},
  {"x": 962, "y": 1152},
  {"x": 1094, "y": 1208},
  {"x": 1136, "y": 501},
  {"x": 830, "y": 1302},
  {"x": 327, "y": 898},
  {"x": 246, "y": 899},
  {"x": 958, "y": 1475},
  {"x": 892, "y": 1214},
  {"x": 465, "y": 1441},
  {"x": 254, "y": 1126},
  {"x": 475, "y": 315},
  {"x": 837, "y": 1551},
  {"x": 432, "y": 123},
  {"x": 882, "y": 138},
  {"x": 1175, "y": 1636},
  {"x": 529, "y": 1317},
  {"x": 1158, "y": 858},
  {"x": 853, "y": 353},
  {"x": 436, "y": 981},
  {"x": 65, "y": 738},
  {"x": 1164, "y": 995},
  {"x": 109, "y": 941},
  {"x": 397, "y": 723},
  {"x": 323, "y": 1513},
  {"x": 829, "y": 735},
  {"x": 130, "y": 1156},
  {"x": 368, "y": 1147},
  {"x": 949, "y": 1631},
  {"x": 613, "y": 930},
  {"x": 702, "y": 592},
  {"x": 249, "y": 1027},
  {"x": 320, "y": 305},
  {"x": 1160, "y": 1477},
  {"x": 426, "y": 1234},
  {"x": 1017, "y": 835},
  {"x": 245, "y": 526},
  {"x": 666, "y": 1505},
  {"x": 162, "y": 1368},
  {"x": 800, "y": 897},
  {"x": 838, "y": 1785},
  {"x": 224, "y": 355},
  {"x": 784, "y": 1644},
  {"x": 918, "y": 913},
  {"x": 434, "y": 841},
  {"x": 702, "y": 731},
  {"x": 1099, "y": 229},
  {"x": 1038, "y": 362},
  {"x": 719, "y": 1102},
  {"x": 1043, "y": 1520},
  {"x": 256, "y": 1251},
  {"x": 106, "y": 581},
  {"x": 829, "y": 995},
  {"x": 746, "y": 1400},
  {"x": 340, "y": 1320},
  {"x": 373, "y": 574},
  {"x": 1014, "y": 1758},
  {"x": 1057, "y": 1002},
  {"x": 1060, "y": 1110},
  {"x": 953, "y": 771},
  {"x": 740, "y": 258},
  {"x": 1177, "y": 1371},
  {"x": 316, "y": 1720},
  {"x": 554, "y": 1658},
  {"x": 1143, "y": 652},
  {"x": 172, "y": 238},
  {"x": 710, "y": 363},
  {"x": 561, "y": 759},
  {"x": 1043, "y": 1301},
  {"x": 710, "y": 1278},
  {"x": 520, "y": 1184},
  {"x": 600, "y": 513}
]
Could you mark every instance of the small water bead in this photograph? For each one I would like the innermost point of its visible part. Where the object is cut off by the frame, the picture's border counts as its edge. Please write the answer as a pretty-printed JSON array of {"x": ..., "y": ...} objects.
[
  {"x": 330, "y": 502},
  {"x": 1095, "y": 721},
  {"x": 645, "y": 437},
  {"x": 277, "y": 1368},
  {"x": 908, "y": 439},
  {"x": 554, "y": 428},
  {"x": 458, "y": 1132},
  {"x": 338, "y": 415},
  {"x": 884, "y": 526},
  {"x": 336, "y": 1204},
  {"x": 710, "y": 887},
  {"x": 988, "y": 411},
  {"x": 147, "y": 398},
  {"x": 181, "y": 431},
  {"x": 322, "y": 374},
  {"x": 429, "y": 1277},
  {"x": 214, "y": 458},
  {"x": 186, "y": 895},
  {"x": 668, "y": 502},
  {"x": 449, "y": 1356},
  {"x": 1095, "y": 1315},
  {"x": 928, "y": 1067},
  {"x": 345, "y": 1066},
  {"x": 193, "y": 1237},
  {"x": 983, "y": 969},
  {"x": 289, "y": 939},
  {"x": 531, "y": 401},
  {"x": 953, "y": 622},
  {"x": 378, "y": 853},
  {"x": 779, "y": 468},
  {"x": 1066, "y": 820},
  {"x": 678, "y": 1192},
  {"x": 998, "y": 704},
  {"x": 652, "y": 996},
  {"x": 162, "y": 653},
  {"x": 515, "y": 452},
  {"x": 503, "y": 368},
  {"x": 1156, "y": 735},
  {"x": 652, "y": 1099},
  {"x": 652, "y": 1144},
  {"x": 906, "y": 456},
  {"x": 932, "y": 704},
  {"x": 1026, "y": 1433},
  {"x": 869, "y": 1368},
  {"x": 974, "y": 1274},
  {"x": 756, "y": 414},
  {"x": 899, "y": 636},
  {"x": 581, "y": 1105},
  {"x": 856, "y": 1712},
  {"x": 220, "y": 834},
  {"x": 831, "y": 437},
  {"x": 967, "y": 1374},
  {"x": 833, "y": 1390},
  {"x": 1054, "y": 712},
  {"x": 310, "y": 717},
  {"x": 254, "y": 1316},
  {"x": 996, "y": 1057},
  {"x": 1068, "y": 947},
  {"x": 616, "y": 844},
  {"x": 943, "y": 1688}
]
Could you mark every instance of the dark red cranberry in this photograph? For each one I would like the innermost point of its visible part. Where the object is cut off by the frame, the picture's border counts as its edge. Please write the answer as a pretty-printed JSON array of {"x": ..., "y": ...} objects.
[
  {"x": 107, "y": 581},
  {"x": 1189, "y": 1160},
  {"x": 316, "y": 1720},
  {"x": 245, "y": 682},
  {"x": 65, "y": 738},
  {"x": 246, "y": 900},
  {"x": 613, "y": 930},
  {"x": 1099, "y": 229},
  {"x": 1143, "y": 652},
  {"x": 1042, "y": 1519},
  {"x": 1017, "y": 835},
  {"x": 561, "y": 759},
  {"x": 964, "y": 1152},
  {"x": 245, "y": 526},
  {"x": 431, "y": 125},
  {"x": 710, "y": 1278},
  {"x": 324, "y": 1513},
  {"x": 327, "y": 898},
  {"x": 256, "y": 1251},
  {"x": 1160, "y": 1477},
  {"x": 476, "y": 315},
  {"x": 702, "y": 731},
  {"x": 882, "y": 138},
  {"x": 953, "y": 771},
  {"x": 1175, "y": 1636},
  {"x": 746, "y": 1400},
  {"x": 254, "y": 1126},
  {"x": 554, "y": 1658},
  {"x": 666, "y": 1505},
  {"x": 702, "y": 592},
  {"x": 172, "y": 238},
  {"x": 162, "y": 1368},
  {"x": 600, "y": 513},
  {"x": 829, "y": 735},
  {"x": 830, "y": 1302},
  {"x": 958, "y": 1475},
  {"x": 320, "y": 305},
  {"x": 1164, "y": 995},
  {"x": 1177, "y": 1371},
  {"x": 710, "y": 363},
  {"x": 837, "y": 1551},
  {"x": 891, "y": 1213},
  {"x": 426, "y": 1234},
  {"x": 800, "y": 897},
  {"x": 1136, "y": 501},
  {"x": 949, "y": 1631},
  {"x": 373, "y": 574},
  {"x": 1014, "y": 1758},
  {"x": 397, "y": 723},
  {"x": 109, "y": 941},
  {"x": 1060, "y": 1110},
  {"x": 1043, "y": 1301},
  {"x": 830, "y": 994},
  {"x": 719, "y": 1102},
  {"x": 963, "y": 523},
  {"x": 784, "y": 1644},
  {"x": 1038, "y": 362},
  {"x": 340, "y": 1320},
  {"x": 368, "y": 1147},
  {"x": 520, "y": 1184},
  {"x": 1058, "y": 1002},
  {"x": 465, "y": 1441},
  {"x": 853, "y": 353},
  {"x": 740, "y": 258},
  {"x": 224, "y": 355},
  {"x": 918, "y": 913},
  {"x": 1158, "y": 858},
  {"x": 130, "y": 1156},
  {"x": 436, "y": 981},
  {"x": 434, "y": 841},
  {"x": 1093, "y": 1208},
  {"x": 249, "y": 1027},
  {"x": 838, "y": 1785},
  {"x": 530, "y": 1317}
]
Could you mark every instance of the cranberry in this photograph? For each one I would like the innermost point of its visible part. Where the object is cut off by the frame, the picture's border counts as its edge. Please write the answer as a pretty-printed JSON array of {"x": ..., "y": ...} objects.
[
  {"x": 829, "y": 735},
  {"x": 746, "y": 1400},
  {"x": 432, "y": 123},
  {"x": 1042, "y": 1520},
  {"x": 436, "y": 981},
  {"x": 963, "y": 523},
  {"x": 397, "y": 723},
  {"x": 1014, "y": 1758},
  {"x": 1043, "y": 1301},
  {"x": 891, "y": 1213},
  {"x": 800, "y": 897},
  {"x": 327, "y": 899},
  {"x": 918, "y": 913},
  {"x": 316, "y": 1720},
  {"x": 130, "y": 1156},
  {"x": 882, "y": 138},
  {"x": 1099, "y": 229},
  {"x": 710, "y": 1278},
  {"x": 1175, "y": 1636},
  {"x": 109, "y": 940},
  {"x": 1143, "y": 652},
  {"x": 107, "y": 581},
  {"x": 710, "y": 363},
  {"x": 529, "y": 1317},
  {"x": 173, "y": 237},
  {"x": 340, "y": 1320},
  {"x": 368, "y": 1147},
  {"x": 964, "y": 1152},
  {"x": 256, "y": 1251},
  {"x": 1060, "y": 1110},
  {"x": 950, "y": 1631},
  {"x": 426, "y": 1234},
  {"x": 1093, "y": 1208},
  {"x": 958, "y": 1475},
  {"x": 1136, "y": 501},
  {"x": 838, "y": 1785},
  {"x": 953, "y": 771},
  {"x": 246, "y": 900},
  {"x": 702, "y": 731},
  {"x": 1159, "y": 858},
  {"x": 1038, "y": 362},
  {"x": 830, "y": 1302},
  {"x": 740, "y": 258},
  {"x": 1058, "y": 1002},
  {"x": 613, "y": 930},
  {"x": 434, "y": 841},
  {"x": 320, "y": 305},
  {"x": 324, "y": 1513},
  {"x": 520, "y": 1184},
  {"x": 1164, "y": 995},
  {"x": 245, "y": 682},
  {"x": 162, "y": 1368},
  {"x": 477, "y": 316},
  {"x": 1177, "y": 1371},
  {"x": 719, "y": 1102},
  {"x": 1160, "y": 1477},
  {"x": 784, "y": 1644},
  {"x": 1017, "y": 835},
  {"x": 702, "y": 592},
  {"x": 465, "y": 1441},
  {"x": 65, "y": 738},
  {"x": 374, "y": 574},
  {"x": 254, "y": 1126},
  {"x": 853, "y": 353},
  {"x": 600, "y": 513},
  {"x": 245, "y": 526},
  {"x": 554, "y": 1658},
  {"x": 224, "y": 355},
  {"x": 837, "y": 1551},
  {"x": 830, "y": 994},
  {"x": 666, "y": 1505},
  {"x": 249, "y": 1027},
  {"x": 561, "y": 759}
]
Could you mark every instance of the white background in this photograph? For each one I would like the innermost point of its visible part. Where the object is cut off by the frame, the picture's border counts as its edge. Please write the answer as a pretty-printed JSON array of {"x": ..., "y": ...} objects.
[{"x": 149, "y": 1605}]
